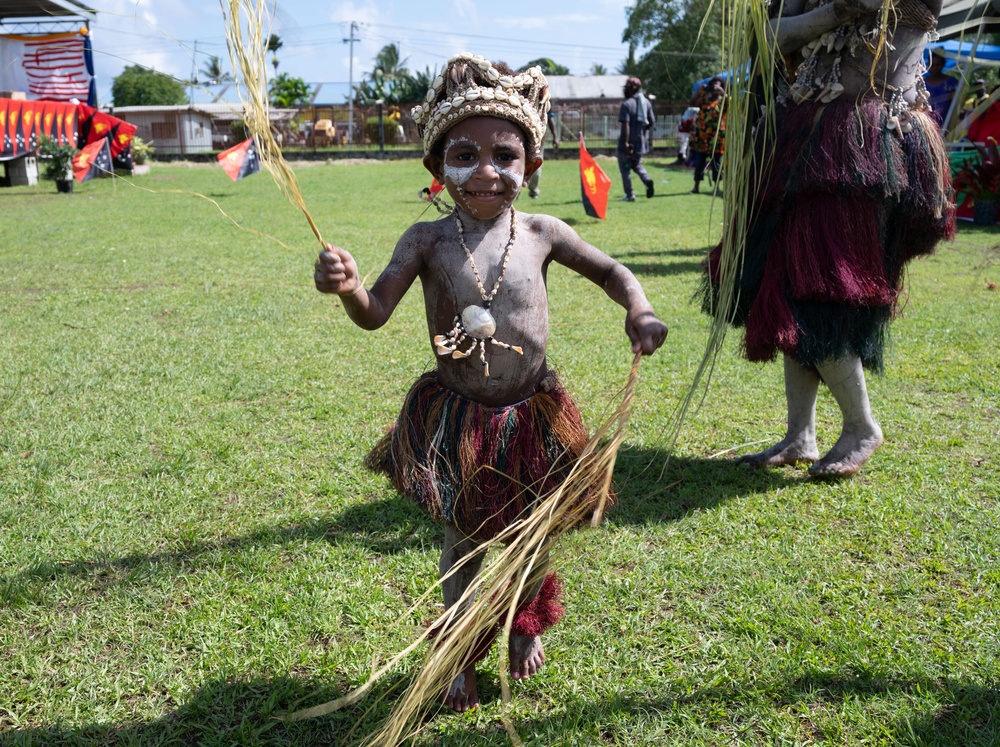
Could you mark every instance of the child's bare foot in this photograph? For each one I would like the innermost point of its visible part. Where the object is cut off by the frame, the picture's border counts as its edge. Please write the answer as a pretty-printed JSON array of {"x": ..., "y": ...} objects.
[
  {"x": 526, "y": 656},
  {"x": 462, "y": 696},
  {"x": 790, "y": 450},
  {"x": 854, "y": 447}
]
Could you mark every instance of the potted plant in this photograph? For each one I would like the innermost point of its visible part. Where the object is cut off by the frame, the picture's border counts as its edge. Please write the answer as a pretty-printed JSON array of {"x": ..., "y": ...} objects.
[
  {"x": 57, "y": 160},
  {"x": 978, "y": 179},
  {"x": 141, "y": 153}
]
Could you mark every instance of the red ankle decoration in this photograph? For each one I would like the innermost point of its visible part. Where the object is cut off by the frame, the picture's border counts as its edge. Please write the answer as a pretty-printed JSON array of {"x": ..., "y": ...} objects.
[
  {"x": 531, "y": 620},
  {"x": 542, "y": 612}
]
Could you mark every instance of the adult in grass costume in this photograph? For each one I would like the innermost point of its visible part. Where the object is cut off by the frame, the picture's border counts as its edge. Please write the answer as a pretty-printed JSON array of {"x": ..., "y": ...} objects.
[
  {"x": 853, "y": 184},
  {"x": 487, "y": 433}
]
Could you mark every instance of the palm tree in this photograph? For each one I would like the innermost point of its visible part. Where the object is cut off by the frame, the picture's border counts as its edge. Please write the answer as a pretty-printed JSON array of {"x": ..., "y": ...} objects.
[
  {"x": 274, "y": 43},
  {"x": 213, "y": 73},
  {"x": 548, "y": 66},
  {"x": 388, "y": 61},
  {"x": 598, "y": 69}
]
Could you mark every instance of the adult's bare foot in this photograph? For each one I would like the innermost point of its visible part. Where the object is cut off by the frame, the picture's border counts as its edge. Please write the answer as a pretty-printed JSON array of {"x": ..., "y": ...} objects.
[
  {"x": 853, "y": 449},
  {"x": 526, "y": 656},
  {"x": 790, "y": 450},
  {"x": 462, "y": 695}
]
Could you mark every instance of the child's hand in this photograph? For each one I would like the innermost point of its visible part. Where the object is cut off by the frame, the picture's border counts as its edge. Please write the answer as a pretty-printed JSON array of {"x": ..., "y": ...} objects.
[
  {"x": 645, "y": 331},
  {"x": 336, "y": 271}
]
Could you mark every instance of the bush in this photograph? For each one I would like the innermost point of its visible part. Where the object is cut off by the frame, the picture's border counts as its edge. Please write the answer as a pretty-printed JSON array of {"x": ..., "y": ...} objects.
[
  {"x": 390, "y": 127},
  {"x": 141, "y": 150},
  {"x": 57, "y": 159}
]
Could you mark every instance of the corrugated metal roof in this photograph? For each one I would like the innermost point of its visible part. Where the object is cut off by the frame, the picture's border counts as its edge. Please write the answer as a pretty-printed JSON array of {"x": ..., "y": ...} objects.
[
  {"x": 216, "y": 111},
  {"x": 579, "y": 87},
  {"x": 43, "y": 9}
]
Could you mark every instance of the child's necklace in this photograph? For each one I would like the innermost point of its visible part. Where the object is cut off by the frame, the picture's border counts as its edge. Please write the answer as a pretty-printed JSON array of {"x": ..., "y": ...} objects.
[{"x": 476, "y": 323}]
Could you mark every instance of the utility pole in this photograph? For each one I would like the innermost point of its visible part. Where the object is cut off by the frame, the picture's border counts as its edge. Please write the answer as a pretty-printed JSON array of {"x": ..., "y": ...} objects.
[
  {"x": 350, "y": 83},
  {"x": 194, "y": 64}
]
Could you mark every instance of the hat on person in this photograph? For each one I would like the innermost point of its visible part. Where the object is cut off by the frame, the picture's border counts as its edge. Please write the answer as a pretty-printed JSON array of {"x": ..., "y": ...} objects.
[{"x": 472, "y": 86}]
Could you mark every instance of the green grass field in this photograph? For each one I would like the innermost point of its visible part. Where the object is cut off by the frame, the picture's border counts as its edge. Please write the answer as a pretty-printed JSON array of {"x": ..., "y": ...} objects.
[{"x": 189, "y": 545}]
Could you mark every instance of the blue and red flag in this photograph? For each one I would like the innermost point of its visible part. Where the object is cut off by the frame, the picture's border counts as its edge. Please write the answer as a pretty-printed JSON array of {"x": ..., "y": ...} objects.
[
  {"x": 240, "y": 160},
  {"x": 594, "y": 184}
]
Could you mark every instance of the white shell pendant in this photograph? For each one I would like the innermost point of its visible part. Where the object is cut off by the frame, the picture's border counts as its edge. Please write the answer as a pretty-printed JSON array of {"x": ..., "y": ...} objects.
[{"x": 478, "y": 322}]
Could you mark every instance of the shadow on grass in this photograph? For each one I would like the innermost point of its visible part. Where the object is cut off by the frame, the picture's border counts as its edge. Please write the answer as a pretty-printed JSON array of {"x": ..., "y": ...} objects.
[
  {"x": 387, "y": 527},
  {"x": 963, "y": 714},
  {"x": 701, "y": 253},
  {"x": 648, "y": 492},
  {"x": 231, "y": 712},
  {"x": 663, "y": 269},
  {"x": 653, "y": 489},
  {"x": 242, "y": 712}
]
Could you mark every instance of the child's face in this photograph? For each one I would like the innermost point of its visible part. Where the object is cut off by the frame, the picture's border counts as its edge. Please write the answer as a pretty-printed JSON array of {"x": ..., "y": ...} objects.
[{"x": 483, "y": 165}]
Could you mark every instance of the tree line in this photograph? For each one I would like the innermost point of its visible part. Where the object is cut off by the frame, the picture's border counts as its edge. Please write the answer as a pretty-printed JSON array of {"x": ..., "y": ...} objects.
[{"x": 680, "y": 43}]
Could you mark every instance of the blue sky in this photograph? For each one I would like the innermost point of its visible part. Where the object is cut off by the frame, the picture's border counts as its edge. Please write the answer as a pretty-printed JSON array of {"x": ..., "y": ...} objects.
[{"x": 164, "y": 34}]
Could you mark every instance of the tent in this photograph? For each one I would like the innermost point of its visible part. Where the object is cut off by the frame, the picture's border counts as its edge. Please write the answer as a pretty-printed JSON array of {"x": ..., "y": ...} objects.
[
  {"x": 46, "y": 50},
  {"x": 968, "y": 17}
]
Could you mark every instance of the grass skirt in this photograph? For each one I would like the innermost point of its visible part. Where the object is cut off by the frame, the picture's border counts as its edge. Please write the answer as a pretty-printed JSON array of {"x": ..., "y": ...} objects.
[
  {"x": 478, "y": 467},
  {"x": 845, "y": 204}
]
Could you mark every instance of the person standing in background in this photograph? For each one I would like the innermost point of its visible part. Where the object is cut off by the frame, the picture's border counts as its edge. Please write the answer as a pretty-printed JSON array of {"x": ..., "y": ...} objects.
[{"x": 636, "y": 117}]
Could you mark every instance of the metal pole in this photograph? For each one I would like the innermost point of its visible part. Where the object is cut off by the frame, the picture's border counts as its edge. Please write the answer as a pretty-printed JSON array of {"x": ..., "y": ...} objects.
[
  {"x": 194, "y": 63},
  {"x": 381, "y": 130},
  {"x": 350, "y": 84}
]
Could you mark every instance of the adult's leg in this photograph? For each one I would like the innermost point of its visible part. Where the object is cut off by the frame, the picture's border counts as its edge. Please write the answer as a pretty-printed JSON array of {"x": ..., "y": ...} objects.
[
  {"x": 533, "y": 182},
  {"x": 625, "y": 169},
  {"x": 462, "y": 694},
  {"x": 716, "y": 162},
  {"x": 636, "y": 164},
  {"x": 860, "y": 435},
  {"x": 799, "y": 443},
  {"x": 700, "y": 159}
]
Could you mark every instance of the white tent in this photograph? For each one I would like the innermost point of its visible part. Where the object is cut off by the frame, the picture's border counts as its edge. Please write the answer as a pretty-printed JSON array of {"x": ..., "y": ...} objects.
[
  {"x": 961, "y": 25},
  {"x": 965, "y": 18}
]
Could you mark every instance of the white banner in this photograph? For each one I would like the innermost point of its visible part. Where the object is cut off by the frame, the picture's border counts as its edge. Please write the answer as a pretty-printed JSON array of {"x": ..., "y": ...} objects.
[{"x": 44, "y": 67}]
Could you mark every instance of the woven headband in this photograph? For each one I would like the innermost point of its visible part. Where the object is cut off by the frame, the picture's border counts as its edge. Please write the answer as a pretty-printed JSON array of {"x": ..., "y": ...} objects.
[{"x": 471, "y": 86}]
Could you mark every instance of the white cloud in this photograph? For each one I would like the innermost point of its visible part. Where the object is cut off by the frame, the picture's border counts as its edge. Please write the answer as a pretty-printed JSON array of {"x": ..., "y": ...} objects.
[{"x": 359, "y": 12}]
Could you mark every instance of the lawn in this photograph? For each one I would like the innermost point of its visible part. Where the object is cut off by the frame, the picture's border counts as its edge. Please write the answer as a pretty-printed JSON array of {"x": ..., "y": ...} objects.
[{"x": 191, "y": 547}]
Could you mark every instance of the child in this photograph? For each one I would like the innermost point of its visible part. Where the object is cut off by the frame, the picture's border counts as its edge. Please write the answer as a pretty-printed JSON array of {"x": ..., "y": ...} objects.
[{"x": 491, "y": 428}]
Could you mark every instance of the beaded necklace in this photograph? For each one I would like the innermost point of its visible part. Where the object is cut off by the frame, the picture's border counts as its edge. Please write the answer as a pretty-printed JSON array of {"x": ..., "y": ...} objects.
[{"x": 476, "y": 323}]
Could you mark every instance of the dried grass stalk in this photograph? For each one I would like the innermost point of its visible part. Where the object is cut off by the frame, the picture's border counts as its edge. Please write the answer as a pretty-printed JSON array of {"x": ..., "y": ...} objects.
[
  {"x": 750, "y": 54},
  {"x": 495, "y": 594},
  {"x": 247, "y": 31}
]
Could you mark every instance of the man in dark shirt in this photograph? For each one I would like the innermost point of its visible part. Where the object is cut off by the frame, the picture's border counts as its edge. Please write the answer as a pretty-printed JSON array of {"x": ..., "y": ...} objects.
[{"x": 636, "y": 117}]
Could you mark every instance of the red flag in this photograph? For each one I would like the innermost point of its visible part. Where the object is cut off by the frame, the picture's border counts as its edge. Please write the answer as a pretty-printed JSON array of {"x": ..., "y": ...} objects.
[
  {"x": 94, "y": 124},
  {"x": 93, "y": 160},
  {"x": 240, "y": 160},
  {"x": 594, "y": 184},
  {"x": 427, "y": 193}
]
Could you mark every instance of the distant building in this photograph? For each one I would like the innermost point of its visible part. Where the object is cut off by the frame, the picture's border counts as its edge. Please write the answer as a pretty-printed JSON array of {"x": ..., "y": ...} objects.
[
  {"x": 193, "y": 128},
  {"x": 586, "y": 88}
]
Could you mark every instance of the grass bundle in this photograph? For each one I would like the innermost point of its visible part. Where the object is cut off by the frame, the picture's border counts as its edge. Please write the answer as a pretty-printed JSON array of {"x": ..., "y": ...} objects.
[
  {"x": 247, "y": 31},
  {"x": 750, "y": 55},
  {"x": 493, "y": 599}
]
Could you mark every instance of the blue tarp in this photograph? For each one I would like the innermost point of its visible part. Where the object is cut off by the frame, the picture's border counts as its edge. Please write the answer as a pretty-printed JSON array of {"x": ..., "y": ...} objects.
[{"x": 958, "y": 52}]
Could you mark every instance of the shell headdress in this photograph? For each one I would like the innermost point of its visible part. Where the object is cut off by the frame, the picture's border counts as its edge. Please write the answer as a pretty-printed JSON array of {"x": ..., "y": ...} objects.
[{"x": 471, "y": 86}]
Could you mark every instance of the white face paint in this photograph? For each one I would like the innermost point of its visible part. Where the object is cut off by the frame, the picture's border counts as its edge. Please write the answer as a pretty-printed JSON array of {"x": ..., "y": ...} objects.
[
  {"x": 459, "y": 175},
  {"x": 483, "y": 165}
]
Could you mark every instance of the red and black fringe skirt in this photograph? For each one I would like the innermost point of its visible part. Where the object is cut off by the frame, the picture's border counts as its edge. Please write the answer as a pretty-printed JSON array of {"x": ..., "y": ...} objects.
[
  {"x": 845, "y": 204},
  {"x": 479, "y": 467}
]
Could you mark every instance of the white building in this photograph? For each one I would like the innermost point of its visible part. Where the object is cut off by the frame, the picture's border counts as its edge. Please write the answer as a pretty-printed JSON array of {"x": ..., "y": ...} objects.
[{"x": 171, "y": 129}]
